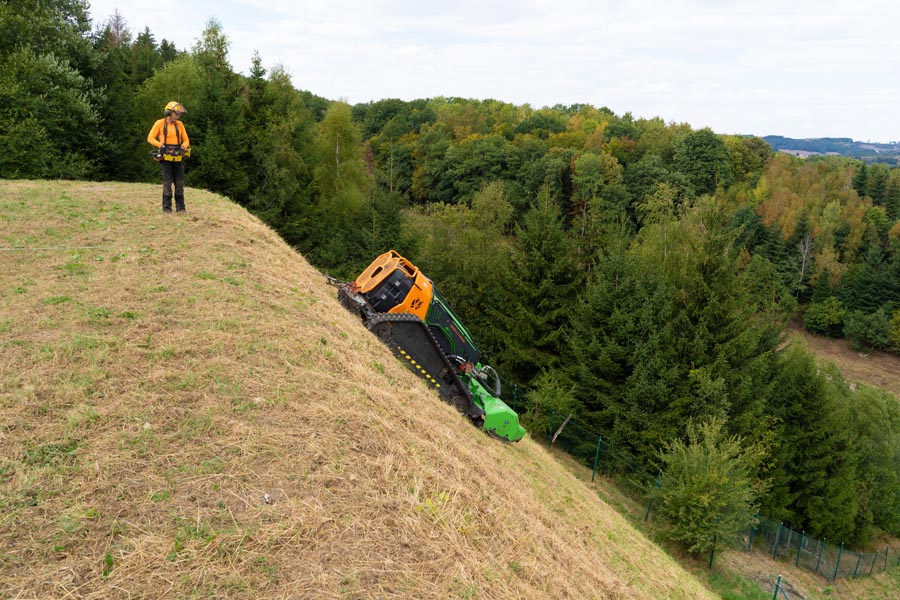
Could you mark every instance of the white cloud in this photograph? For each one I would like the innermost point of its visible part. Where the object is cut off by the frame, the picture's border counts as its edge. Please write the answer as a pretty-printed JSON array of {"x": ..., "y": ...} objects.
[{"x": 805, "y": 68}]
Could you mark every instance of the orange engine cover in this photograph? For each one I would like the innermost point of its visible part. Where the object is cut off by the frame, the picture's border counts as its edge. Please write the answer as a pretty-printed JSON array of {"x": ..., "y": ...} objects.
[{"x": 392, "y": 284}]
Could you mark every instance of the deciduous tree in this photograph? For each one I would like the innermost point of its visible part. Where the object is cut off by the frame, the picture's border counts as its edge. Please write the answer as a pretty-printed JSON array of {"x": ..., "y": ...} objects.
[{"x": 709, "y": 488}]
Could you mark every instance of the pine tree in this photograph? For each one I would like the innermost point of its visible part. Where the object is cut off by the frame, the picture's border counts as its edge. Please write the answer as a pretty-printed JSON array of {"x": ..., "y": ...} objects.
[
  {"x": 222, "y": 135},
  {"x": 822, "y": 289},
  {"x": 866, "y": 286},
  {"x": 124, "y": 156},
  {"x": 145, "y": 57},
  {"x": 892, "y": 197},
  {"x": 280, "y": 189},
  {"x": 605, "y": 327},
  {"x": 814, "y": 474},
  {"x": 667, "y": 334},
  {"x": 878, "y": 183},
  {"x": 876, "y": 433},
  {"x": 860, "y": 181},
  {"x": 548, "y": 281}
]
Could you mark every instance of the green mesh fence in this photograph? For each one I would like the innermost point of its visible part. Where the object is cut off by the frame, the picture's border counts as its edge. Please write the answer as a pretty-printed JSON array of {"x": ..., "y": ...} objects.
[
  {"x": 813, "y": 554},
  {"x": 780, "y": 593},
  {"x": 588, "y": 447}
]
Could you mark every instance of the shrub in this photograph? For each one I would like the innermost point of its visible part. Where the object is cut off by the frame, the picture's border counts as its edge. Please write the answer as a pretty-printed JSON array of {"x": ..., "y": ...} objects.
[
  {"x": 550, "y": 396},
  {"x": 709, "y": 487},
  {"x": 826, "y": 317},
  {"x": 867, "y": 331},
  {"x": 894, "y": 332}
]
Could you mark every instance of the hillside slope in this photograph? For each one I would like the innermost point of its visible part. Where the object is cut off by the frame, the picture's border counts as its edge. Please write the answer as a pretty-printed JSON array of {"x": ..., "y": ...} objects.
[
  {"x": 876, "y": 369},
  {"x": 187, "y": 412}
]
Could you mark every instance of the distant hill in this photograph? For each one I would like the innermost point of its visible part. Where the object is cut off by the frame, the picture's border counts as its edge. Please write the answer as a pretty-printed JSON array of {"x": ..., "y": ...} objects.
[{"x": 869, "y": 152}]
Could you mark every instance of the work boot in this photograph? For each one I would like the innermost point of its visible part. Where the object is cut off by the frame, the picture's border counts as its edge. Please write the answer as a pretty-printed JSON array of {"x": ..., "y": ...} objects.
[{"x": 179, "y": 203}]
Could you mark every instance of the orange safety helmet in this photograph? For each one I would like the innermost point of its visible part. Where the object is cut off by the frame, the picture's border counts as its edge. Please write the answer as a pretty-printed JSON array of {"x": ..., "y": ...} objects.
[{"x": 175, "y": 107}]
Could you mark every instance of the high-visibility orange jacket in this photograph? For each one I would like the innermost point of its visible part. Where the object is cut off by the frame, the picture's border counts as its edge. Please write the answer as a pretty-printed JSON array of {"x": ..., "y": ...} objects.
[{"x": 155, "y": 137}]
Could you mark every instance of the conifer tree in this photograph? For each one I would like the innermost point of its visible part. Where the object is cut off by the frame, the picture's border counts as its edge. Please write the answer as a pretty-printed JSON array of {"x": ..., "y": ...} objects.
[
  {"x": 860, "y": 180},
  {"x": 822, "y": 288},
  {"x": 666, "y": 334},
  {"x": 124, "y": 156},
  {"x": 865, "y": 285},
  {"x": 814, "y": 471},
  {"x": 892, "y": 197},
  {"x": 222, "y": 137},
  {"x": 145, "y": 57},
  {"x": 878, "y": 183},
  {"x": 605, "y": 327},
  {"x": 281, "y": 192},
  {"x": 876, "y": 433},
  {"x": 546, "y": 283}
]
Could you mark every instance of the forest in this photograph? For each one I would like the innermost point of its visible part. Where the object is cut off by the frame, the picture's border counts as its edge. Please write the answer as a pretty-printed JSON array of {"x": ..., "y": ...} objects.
[{"x": 635, "y": 272}]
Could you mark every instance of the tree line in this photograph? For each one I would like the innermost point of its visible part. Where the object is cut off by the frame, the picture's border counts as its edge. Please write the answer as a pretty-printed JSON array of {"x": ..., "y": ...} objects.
[{"x": 634, "y": 272}]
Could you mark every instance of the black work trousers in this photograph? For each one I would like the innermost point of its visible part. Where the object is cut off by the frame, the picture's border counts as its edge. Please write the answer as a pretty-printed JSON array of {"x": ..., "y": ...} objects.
[{"x": 172, "y": 175}]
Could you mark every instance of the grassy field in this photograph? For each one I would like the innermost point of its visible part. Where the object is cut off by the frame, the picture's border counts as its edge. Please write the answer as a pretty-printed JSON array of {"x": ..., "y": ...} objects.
[{"x": 187, "y": 412}]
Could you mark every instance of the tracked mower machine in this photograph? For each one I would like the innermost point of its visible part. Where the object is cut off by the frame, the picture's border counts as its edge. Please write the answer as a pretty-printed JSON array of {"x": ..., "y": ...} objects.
[{"x": 401, "y": 306}]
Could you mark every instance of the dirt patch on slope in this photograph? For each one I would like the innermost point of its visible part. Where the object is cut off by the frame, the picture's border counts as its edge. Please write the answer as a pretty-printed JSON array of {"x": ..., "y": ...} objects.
[{"x": 876, "y": 369}]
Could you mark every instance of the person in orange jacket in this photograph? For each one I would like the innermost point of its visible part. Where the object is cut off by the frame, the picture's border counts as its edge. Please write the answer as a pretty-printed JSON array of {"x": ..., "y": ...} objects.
[{"x": 171, "y": 138}]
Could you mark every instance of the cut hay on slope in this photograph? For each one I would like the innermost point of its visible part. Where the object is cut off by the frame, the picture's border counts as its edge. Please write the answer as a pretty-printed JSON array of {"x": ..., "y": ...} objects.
[{"x": 187, "y": 412}]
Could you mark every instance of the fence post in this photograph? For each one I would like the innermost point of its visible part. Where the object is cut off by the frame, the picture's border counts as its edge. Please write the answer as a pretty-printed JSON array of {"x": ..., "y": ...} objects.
[
  {"x": 821, "y": 551},
  {"x": 886, "y": 548},
  {"x": 753, "y": 533},
  {"x": 596, "y": 457},
  {"x": 837, "y": 565},
  {"x": 777, "y": 588},
  {"x": 655, "y": 487},
  {"x": 858, "y": 560},
  {"x": 799, "y": 548},
  {"x": 777, "y": 539},
  {"x": 515, "y": 397},
  {"x": 874, "y": 560}
]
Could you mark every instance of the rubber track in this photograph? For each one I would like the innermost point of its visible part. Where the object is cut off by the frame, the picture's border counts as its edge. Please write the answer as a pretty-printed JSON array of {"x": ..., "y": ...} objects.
[{"x": 411, "y": 340}]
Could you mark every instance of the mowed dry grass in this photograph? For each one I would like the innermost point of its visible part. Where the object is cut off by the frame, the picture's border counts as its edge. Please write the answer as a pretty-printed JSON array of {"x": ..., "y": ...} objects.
[{"x": 187, "y": 412}]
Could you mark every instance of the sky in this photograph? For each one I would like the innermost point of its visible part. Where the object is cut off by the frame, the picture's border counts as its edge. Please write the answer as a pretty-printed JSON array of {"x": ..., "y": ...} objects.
[{"x": 798, "y": 68}]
